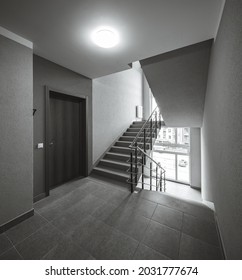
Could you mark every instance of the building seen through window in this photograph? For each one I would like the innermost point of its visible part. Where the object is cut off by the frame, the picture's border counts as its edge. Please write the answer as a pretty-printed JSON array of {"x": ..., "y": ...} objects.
[{"x": 172, "y": 150}]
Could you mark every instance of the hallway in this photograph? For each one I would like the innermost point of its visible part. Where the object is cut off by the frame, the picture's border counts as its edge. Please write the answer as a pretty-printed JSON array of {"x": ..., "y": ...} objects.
[{"x": 93, "y": 219}]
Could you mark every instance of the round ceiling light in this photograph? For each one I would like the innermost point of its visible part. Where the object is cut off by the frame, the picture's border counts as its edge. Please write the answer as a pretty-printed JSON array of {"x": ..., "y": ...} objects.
[{"x": 105, "y": 37}]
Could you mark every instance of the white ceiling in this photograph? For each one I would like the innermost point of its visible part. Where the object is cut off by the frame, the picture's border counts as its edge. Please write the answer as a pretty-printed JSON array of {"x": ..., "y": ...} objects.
[{"x": 60, "y": 29}]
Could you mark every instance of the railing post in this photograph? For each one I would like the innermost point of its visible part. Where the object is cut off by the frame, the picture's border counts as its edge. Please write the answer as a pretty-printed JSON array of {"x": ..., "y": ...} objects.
[
  {"x": 151, "y": 175},
  {"x": 159, "y": 121},
  {"x": 131, "y": 172},
  {"x": 156, "y": 179},
  {"x": 156, "y": 127},
  {"x": 145, "y": 146},
  {"x": 151, "y": 128},
  {"x": 143, "y": 172},
  {"x": 136, "y": 164},
  {"x": 164, "y": 181},
  {"x": 161, "y": 180}
]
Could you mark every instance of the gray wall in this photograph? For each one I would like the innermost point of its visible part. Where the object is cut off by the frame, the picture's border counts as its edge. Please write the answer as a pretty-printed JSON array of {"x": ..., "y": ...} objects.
[
  {"x": 178, "y": 81},
  {"x": 16, "y": 128},
  {"x": 50, "y": 74},
  {"x": 114, "y": 99},
  {"x": 195, "y": 157},
  {"x": 222, "y": 130},
  {"x": 146, "y": 98}
]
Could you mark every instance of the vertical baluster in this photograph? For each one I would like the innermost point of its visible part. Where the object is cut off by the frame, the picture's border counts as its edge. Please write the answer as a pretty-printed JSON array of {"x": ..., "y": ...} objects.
[
  {"x": 151, "y": 134},
  {"x": 136, "y": 164},
  {"x": 156, "y": 178},
  {"x": 164, "y": 181},
  {"x": 131, "y": 172},
  {"x": 156, "y": 125},
  {"x": 145, "y": 146},
  {"x": 151, "y": 175},
  {"x": 143, "y": 171},
  {"x": 159, "y": 121},
  {"x": 161, "y": 180}
]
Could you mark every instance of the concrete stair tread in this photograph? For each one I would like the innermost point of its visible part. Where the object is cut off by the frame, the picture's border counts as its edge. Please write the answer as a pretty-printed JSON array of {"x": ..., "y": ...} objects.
[
  {"x": 128, "y": 142},
  {"x": 115, "y": 162},
  {"x": 119, "y": 155},
  {"x": 112, "y": 171}
]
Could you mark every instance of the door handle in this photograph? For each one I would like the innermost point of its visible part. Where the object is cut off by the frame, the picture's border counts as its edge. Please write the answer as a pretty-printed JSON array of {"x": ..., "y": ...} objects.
[{"x": 51, "y": 143}]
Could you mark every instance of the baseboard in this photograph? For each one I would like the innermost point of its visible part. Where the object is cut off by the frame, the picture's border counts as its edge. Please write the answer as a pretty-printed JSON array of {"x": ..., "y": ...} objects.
[
  {"x": 16, "y": 220},
  {"x": 39, "y": 197}
]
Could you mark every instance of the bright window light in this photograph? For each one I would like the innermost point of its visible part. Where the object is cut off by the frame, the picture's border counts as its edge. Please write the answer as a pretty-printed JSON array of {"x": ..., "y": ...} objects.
[{"x": 105, "y": 37}]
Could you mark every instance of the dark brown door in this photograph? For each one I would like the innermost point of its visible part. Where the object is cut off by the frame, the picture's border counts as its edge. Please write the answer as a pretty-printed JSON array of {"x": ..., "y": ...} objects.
[{"x": 65, "y": 139}]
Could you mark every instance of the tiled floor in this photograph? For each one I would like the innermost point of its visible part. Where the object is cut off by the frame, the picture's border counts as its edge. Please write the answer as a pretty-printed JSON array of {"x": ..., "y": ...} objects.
[
  {"x": 94, "y": 219},
  {"x": 176, "y": 189}
]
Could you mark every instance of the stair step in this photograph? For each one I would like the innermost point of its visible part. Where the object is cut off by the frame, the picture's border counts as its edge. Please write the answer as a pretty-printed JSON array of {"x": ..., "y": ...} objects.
[
  {"x": 127, "y": 144},
  {"x": 121, "y": 150},
  {"x": 134, "y": 122},
  {"x": 135, "y": 129},
  {"x": 137, "y": 125},
  {"x": 131, "y": 138},
  {"x": 131, "y": 133},
  {"x": 114, "y": 164},
  {"x": 117, "y": 156},
  {"x": 111, "y": 173}
]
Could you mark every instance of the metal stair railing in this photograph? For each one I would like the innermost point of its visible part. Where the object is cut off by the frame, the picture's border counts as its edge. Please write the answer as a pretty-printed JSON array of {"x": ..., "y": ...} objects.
[{"x": 138, "y": 156}]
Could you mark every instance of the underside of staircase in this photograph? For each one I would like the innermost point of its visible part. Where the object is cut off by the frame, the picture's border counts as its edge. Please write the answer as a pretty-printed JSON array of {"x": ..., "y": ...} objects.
[{"x": 114, "y": 163}]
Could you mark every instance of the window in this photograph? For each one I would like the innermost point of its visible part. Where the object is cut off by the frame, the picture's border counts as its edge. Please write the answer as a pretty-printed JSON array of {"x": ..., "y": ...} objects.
[{"x": 172, "y": 150}]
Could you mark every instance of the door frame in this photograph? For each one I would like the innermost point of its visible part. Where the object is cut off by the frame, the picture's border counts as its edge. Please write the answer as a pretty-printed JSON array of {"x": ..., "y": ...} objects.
[{"x": 83, "y": 99}]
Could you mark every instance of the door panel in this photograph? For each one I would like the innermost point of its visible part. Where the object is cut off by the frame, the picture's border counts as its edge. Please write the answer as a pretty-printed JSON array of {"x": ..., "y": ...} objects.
[{"x": 64, "y": 135}]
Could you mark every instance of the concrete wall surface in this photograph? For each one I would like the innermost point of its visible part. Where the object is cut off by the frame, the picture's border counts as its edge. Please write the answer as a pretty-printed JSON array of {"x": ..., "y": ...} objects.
[
  {"x": 178, "y": 80},
  {"x": 222, "y": 130},
  {"x": 16, "y": 129},
  {"x": 114, "y": 100}
]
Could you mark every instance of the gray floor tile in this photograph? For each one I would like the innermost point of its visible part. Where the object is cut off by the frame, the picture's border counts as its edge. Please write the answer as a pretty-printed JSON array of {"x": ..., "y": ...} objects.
[
  {"x": 198, "y": 210},
  {"x": 73, "y": 217},
  {"x": 104, "y": 211},
  {"x": 40, "y": 243},
  {"x": 11, "y": 254},
  {"x": 129, "y": 223},
  {"x": 90, "y": 234},
  {"x": 168, "y": 216},
  {"x": 81, "y": 201},
  {"x": 194, "y": 249},
  {"x": 61, "y": 192},
  {"x": 26, "y": 228},
  {"x": 200, "y": 229},
  {"x": 141, "y": 206},
  {"x": 145, "y": 253},
  {"x": 116, "y": 246},
  {"x": 5, "y": 244},
  {"x": 190, "y": 207},
  {"x": 67, "y": 250},
  {"x": 162, "y": 239},
  {"x": 114, "y": 196}
]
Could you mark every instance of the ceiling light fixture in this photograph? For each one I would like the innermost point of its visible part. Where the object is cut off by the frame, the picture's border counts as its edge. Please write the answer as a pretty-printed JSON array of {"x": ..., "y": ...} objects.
[{"x": 105, "y": 37}]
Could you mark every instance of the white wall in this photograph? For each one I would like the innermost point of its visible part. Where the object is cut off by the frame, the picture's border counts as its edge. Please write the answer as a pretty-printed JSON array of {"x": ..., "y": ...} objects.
[
  {"x": 222, "y": 130},
  {"x": 114, "y": 100}
]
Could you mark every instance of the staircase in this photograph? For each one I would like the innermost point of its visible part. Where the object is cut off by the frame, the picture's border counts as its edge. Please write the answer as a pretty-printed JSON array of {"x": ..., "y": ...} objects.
[{"x": 114, "y": 164}]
